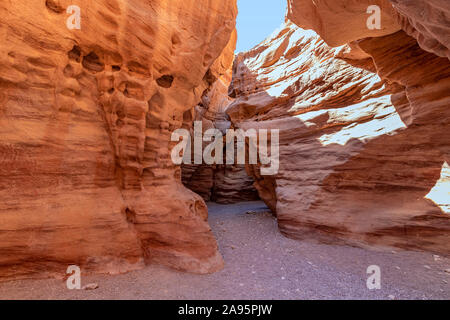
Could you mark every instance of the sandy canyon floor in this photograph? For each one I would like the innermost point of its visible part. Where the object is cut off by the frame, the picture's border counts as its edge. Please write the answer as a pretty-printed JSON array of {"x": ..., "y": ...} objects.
[{"x": 262, "y": 264}]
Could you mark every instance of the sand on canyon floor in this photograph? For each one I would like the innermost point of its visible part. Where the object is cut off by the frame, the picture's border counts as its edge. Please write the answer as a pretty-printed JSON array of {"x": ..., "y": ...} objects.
[{"x": 260, "y": 263}]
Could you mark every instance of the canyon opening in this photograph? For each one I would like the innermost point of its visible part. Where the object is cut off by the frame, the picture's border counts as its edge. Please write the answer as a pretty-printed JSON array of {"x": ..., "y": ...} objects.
[{"x": 225, "y": 149}]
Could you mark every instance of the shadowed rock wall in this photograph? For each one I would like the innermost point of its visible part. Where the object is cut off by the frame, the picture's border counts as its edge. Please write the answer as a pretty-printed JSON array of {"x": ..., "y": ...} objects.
[{"x": 85, "y": 121}]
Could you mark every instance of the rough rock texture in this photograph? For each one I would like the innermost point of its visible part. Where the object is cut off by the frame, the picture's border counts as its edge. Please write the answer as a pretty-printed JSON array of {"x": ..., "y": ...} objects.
[
  {"x": 218, "y": 183},
  {"x": 428, "y": 21},
  {"x": 359, "y": 152},
  {"x": 341, "y": 21},
  {"x": 85, "y": 120}
]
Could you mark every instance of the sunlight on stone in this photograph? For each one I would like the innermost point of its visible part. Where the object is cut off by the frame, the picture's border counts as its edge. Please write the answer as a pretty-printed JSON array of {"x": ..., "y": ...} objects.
[
  {"x": 440, "y": 194},
  {"x": 385, "y": 120},
  {"x": 283, "y": 67}
]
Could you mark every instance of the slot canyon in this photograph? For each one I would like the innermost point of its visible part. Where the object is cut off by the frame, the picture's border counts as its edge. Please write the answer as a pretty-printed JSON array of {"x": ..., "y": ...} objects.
[{"x": 86, "y": 119}]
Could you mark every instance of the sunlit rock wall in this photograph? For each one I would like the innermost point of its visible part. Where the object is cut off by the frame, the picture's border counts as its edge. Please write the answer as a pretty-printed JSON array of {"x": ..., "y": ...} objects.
[{"x": 363, "y": 134}]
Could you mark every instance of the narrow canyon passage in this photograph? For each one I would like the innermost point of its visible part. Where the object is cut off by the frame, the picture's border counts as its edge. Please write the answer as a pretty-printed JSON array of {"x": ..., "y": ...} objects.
[
  {"x": 260, "y": 263},
  {"x": 108, "y": 130}
]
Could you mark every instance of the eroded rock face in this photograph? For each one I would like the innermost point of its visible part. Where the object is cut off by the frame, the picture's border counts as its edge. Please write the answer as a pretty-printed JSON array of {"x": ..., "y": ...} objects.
[
  {"x": 85, "y": 121},
  {"x": 341, "y": 21},
  {"x": 428, "y": 21},
  {"x": 359, "y": 150}
]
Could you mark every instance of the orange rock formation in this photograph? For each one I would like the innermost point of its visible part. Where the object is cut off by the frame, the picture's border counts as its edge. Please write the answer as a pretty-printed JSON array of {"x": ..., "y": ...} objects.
[
  {"x": 218, "y": 183},
  {"x": 86, "y": 117},
  {"x": 363, "y": 126},
  {"x": 85, "y": 121}
]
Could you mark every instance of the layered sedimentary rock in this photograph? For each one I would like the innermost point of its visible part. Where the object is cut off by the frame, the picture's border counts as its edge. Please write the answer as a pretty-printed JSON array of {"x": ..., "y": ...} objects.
[
  {"x": 220, "y": 183},
  {"x": 363, "y": 132},
  {"x": 428, "y": 21},
  {"x": 86, "y": 115},
  {"x": 341, "y": 21}
]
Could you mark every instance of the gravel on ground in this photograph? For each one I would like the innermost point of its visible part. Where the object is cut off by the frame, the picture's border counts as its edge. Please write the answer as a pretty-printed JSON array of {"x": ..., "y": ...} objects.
[{"x": 260, "y": 263}]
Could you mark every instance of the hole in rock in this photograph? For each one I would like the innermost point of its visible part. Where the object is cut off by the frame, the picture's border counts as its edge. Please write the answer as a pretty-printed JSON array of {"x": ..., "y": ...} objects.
[
  {"x": 131, "y": 215},
  {"x": 75, "y": 53},
  {"x": 176, "y": 40},
  {"x": 187, "y": 116},
  {"x": 165, "y": 81},
  {"x": 92, "y": 62},
  {"x": 54, "y": 6}
]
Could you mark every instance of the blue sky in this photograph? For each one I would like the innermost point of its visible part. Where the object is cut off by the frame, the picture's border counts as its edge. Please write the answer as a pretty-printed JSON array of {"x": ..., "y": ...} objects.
[{"x": 256, "y": 20}]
